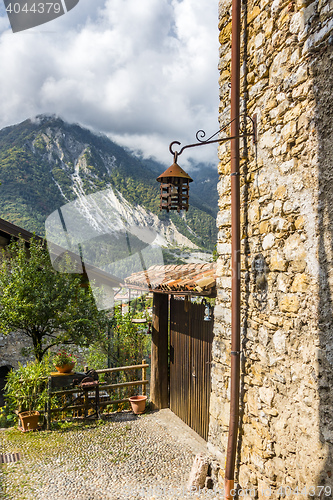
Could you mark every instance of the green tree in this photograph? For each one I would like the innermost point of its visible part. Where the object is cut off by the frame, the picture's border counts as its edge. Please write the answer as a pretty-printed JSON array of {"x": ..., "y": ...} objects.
[
  {"x": 129, "y": 343},
  {"x": 49, "y": 307}
]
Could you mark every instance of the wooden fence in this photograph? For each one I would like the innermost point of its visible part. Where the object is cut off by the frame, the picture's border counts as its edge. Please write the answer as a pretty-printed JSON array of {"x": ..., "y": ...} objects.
[{"x": 82, "y": 393}]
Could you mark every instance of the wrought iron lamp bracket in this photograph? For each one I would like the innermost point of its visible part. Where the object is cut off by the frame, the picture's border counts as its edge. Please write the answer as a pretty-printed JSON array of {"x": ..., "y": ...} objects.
[{"x": 200, "y": 135}]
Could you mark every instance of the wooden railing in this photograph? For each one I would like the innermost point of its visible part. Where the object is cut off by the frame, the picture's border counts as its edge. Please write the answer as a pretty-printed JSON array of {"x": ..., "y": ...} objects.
[
  {"x": 78, "y": 391},
  {"x": 142, "y": 382}
]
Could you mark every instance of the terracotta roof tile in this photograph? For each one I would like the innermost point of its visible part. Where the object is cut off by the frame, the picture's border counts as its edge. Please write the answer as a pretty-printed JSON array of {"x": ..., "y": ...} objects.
[{"x": 177, "y": 278}]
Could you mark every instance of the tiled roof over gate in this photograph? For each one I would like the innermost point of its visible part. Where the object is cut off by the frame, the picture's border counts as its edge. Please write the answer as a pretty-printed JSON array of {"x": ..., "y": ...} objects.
[{"x": 195, "y": 278}]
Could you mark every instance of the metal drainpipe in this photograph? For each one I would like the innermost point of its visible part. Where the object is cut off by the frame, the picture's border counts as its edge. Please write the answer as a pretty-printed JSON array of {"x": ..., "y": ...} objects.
[{"x": 235, "y": 251}]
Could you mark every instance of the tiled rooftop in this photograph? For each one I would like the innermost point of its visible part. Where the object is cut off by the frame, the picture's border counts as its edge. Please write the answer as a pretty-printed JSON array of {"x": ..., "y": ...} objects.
[{"x": 195, "y": 278}]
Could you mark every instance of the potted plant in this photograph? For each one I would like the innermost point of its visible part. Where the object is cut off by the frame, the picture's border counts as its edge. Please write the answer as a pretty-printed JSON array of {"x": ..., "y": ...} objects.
[
  {"x": 29, "y": 420},
  {"x": 26, "y": 393},
  {"x": 138, "y": 404},
  {"x": 64, "y": 362}
]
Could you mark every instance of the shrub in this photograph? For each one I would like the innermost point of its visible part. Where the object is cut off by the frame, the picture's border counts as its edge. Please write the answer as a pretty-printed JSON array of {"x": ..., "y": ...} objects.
[
  {"x": 26, "y": 387},
  {"x": 7, "y": 419}
]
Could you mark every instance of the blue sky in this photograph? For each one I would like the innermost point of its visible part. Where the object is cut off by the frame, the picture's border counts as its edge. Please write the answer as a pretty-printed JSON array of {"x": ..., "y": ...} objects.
[{"x": 142, "y": 71}]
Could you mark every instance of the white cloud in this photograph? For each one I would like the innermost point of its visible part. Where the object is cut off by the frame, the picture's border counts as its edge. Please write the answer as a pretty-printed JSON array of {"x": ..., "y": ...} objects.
[{"x": 144, "y": 72}]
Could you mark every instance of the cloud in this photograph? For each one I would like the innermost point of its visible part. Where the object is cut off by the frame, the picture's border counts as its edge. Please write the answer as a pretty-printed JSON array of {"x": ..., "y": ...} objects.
[{"x": 145, "y": 73}]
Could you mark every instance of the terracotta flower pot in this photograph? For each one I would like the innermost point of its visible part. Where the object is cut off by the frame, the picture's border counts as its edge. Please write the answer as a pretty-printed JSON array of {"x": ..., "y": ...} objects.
[
  {"x": 65, "y": 368},
  {"x": 138, "y": 404},
  {"x": 29, "y": 420}
]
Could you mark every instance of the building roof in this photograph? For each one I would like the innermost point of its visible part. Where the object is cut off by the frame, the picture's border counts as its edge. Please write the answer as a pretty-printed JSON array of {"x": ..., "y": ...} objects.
[
  {"x": 194, "y": 279},
  {"x": 9, "y": 230}
]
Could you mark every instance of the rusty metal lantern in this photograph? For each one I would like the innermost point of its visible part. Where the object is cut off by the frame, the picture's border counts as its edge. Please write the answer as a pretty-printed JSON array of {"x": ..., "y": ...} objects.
[
  {"x": 174, "y": 188},
  {"x": 175, "y": 181}
]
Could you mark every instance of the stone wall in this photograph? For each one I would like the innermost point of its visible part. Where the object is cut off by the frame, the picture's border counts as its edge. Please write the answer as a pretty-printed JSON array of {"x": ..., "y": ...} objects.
[
  {"x": 13, "y": 349},
  {"x": 286, "y": 430}
]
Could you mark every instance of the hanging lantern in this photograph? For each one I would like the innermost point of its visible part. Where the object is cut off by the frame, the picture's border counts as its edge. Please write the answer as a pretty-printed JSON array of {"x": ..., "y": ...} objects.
[
  {"x": 174, "y": 188},
  {"x": 208, "y": 310}
]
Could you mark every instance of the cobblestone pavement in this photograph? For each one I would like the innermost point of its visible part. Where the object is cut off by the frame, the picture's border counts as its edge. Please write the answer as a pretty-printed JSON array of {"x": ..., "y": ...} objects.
[{"x": 127, "y": 457}]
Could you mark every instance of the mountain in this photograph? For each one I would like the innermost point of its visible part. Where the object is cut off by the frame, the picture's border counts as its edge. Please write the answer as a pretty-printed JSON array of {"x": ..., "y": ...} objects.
[{"x": 46, "y": 163}]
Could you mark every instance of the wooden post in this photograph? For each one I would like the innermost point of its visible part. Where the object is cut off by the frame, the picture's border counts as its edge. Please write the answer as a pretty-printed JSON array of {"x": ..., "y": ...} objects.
[
  {"x": 86, "y": 403},
  {"x": 85, "y": 395},
  {"x": 159, "y": 393},
  {"x": 144, "y": 375},
  {"x": 48, "y": 404}
]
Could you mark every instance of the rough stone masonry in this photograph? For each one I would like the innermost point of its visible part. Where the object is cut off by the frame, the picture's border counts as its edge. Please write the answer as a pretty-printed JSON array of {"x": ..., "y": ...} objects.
[{"x": 286, "y": 429}]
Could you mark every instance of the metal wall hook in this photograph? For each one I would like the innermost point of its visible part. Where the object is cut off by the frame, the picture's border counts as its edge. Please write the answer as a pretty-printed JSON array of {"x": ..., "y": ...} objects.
[{"x": 201, "y": 134}]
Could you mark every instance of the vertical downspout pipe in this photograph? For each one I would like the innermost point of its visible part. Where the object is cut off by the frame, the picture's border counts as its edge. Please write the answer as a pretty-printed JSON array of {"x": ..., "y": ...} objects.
[{"x": 235, "y": 251}]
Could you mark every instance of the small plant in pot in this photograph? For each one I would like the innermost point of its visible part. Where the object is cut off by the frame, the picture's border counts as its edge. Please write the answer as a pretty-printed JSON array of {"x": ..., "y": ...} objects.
[{"x": 64, "y": 362}]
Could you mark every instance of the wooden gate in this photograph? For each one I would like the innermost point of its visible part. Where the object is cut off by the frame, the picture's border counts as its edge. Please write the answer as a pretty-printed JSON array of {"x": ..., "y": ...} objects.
[{"x": 190, "y": 364}]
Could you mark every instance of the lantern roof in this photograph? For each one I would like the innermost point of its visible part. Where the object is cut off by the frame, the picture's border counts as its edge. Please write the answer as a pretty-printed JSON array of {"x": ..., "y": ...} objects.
[{"x": 174, "y": 171}]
